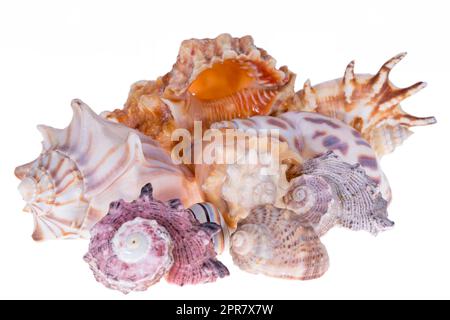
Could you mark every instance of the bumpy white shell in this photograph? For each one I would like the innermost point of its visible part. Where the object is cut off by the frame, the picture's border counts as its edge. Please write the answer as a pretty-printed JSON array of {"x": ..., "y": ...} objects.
[
  {"x": 89, "y": 164},
  {"x": 277, "y": 243},
  {"x": 312, "y": 134},
  {"x": 224, "y": 78},
  {"x": 238, "y": 187}
]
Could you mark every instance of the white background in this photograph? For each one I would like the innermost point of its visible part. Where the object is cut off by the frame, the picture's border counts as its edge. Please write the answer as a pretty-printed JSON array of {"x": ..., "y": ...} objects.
[{"x": 53, "y": 51}]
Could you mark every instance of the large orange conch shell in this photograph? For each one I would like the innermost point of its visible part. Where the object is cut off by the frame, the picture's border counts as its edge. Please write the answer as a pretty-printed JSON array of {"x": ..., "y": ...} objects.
[
  {"x": 224, "y": 78},
  {"x": 370, "y": 104},
  {"x": 212, "y": 80}
]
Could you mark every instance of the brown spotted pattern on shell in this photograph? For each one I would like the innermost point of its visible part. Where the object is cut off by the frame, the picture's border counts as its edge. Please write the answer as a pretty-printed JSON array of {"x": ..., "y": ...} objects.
[
  {"x": 370, "y": 104},
  {"x": 278, "y": 243}
]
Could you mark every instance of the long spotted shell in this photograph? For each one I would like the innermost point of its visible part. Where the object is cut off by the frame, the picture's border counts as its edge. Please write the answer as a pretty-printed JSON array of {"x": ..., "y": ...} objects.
[{"x": 312, "y": 134}]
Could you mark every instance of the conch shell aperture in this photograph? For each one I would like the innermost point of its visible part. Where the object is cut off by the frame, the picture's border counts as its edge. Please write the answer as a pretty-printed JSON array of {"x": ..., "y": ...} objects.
[
  {"x": 213, "y": 80},
  {"x": 224, "y": 78}
]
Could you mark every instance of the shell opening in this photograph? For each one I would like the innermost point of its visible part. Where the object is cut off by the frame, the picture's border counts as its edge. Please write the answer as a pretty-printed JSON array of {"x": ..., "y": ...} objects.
[
  {"x": 232, "y": 88},
  {"x": 221, "y": 80}
]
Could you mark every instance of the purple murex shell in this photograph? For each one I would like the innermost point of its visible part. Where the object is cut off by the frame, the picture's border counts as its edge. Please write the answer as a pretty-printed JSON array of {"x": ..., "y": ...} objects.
[
  {"x": 332, "y": 192},
  {"x": 139, "y": 242}
]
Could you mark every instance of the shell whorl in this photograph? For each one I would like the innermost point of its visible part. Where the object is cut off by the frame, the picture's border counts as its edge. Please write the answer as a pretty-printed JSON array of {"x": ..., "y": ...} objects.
[
  {"x": 138, "y": 255},
  {"x": 252, "y": 239},
  {"x": 309, "y": 196},
  {"x": 28, "y": 189},
  {"x": 360, "y": 205},
  {"x": 170, "y": 242},
  {"x": 52, "y": 189}
]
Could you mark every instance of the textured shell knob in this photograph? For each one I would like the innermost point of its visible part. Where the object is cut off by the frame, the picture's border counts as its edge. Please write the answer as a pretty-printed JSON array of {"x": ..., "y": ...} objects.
[
  {"x": 241, "y": 242},
  {"x": 27, "y": 189}
]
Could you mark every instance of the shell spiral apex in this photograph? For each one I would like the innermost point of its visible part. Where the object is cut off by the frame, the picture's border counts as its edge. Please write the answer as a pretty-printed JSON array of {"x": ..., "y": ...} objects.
[
  {"x": 309, "y": 196},
  {"x": 138, "y": 254}
]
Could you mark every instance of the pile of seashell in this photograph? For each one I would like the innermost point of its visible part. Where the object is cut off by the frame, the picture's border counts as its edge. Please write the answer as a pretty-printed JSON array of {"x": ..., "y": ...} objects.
[{"x": 112, "y": 178}]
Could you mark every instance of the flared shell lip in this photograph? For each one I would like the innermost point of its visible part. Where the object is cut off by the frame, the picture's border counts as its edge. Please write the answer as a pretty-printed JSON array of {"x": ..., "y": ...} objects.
[{"x": 197, "y": 55}]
